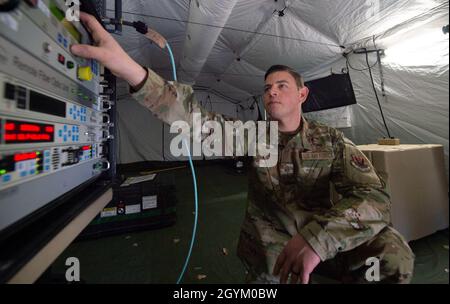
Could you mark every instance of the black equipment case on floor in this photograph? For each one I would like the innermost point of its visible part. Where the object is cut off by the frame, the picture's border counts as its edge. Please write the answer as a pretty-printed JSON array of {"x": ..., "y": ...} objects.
[{"x": 148, "y": 204}]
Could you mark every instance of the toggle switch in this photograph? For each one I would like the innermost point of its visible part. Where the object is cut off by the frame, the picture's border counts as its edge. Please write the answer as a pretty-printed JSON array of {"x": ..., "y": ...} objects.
[{"x": 47, "y": 47}]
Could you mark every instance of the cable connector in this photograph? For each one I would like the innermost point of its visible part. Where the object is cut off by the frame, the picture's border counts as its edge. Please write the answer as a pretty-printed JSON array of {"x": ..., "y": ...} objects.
[{"x": 140, "y": 27}]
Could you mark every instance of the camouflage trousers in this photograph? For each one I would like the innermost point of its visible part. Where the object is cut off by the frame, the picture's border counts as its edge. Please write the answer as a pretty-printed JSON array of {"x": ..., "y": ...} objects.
[{"x": 388, "y": 250}]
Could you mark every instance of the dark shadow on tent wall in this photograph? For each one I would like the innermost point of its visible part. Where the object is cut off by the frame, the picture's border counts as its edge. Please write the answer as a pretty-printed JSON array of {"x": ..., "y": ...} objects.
[{"x": 330, "y": 92}]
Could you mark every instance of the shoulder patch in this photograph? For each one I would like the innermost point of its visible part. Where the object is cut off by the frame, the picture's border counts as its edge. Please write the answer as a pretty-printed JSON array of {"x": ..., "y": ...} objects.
[
  {"x": 358, "y": 168},
  {"x": 359, "y": 163}
]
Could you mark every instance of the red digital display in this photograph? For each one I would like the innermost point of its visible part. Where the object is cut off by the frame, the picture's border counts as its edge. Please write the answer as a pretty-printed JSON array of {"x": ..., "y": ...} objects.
[
  {"x": 85, "y": 148},
  {"x": 27, "y": 132},
  {"x": 29, "y": 128},
  {"x": 10, "y": 126},
  {"x": 25, "y": 156}
]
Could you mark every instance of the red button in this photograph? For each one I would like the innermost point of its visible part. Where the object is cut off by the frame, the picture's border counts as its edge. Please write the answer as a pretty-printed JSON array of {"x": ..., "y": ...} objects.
[{"x": 61, "y": 59}]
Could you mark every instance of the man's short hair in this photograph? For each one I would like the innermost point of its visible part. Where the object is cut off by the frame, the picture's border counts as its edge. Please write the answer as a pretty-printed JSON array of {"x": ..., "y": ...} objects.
[{"x": 283, "y": 68}]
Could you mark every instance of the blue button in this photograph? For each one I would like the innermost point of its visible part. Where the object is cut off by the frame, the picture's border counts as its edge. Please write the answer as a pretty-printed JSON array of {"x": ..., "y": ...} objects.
[
  {"x": 23, "y": 173},
  {"x": 32, "y": 171},
  {"x": 65, "y": 42},
  {"x": 65, "y": 138},
  {"x": 69, "y": 133},
  {"x": 76, "y": 138},
  {"x": 70, "y": 111},
  {"x": 6, "y": 178},
  {"x": 47, "y": 168},
  {"x": 74, "y": 128},
  {"x": 73, "y": 137},
  {"x": 47, "y": 153},
  {"x": 60, "y": 38},
  {"x": 47, "y": 160},
  {"x": 65, "y": 128},
  {"x": 77, "y": 129}
]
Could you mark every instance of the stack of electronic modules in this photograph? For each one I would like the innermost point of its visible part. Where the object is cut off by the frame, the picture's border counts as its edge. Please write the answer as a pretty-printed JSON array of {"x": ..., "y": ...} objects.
[{"x": 55, "y": 110}]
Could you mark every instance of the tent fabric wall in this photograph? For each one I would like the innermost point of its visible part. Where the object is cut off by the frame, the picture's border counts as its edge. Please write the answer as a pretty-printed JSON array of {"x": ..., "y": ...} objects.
[
  {"x": 309, "y": 35},
  {"x": 416, "y": 75},
  {"x": 142, "y": 137}
]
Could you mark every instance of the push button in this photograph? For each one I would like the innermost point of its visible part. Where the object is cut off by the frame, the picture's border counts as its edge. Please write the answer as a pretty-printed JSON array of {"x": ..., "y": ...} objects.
[
  {"x": 61, "y": 59},
  {"x": 85, "y": 73}
]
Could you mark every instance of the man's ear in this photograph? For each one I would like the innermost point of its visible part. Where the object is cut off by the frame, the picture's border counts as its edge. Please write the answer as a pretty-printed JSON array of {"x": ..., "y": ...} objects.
[{"x": 303, "y": 94}]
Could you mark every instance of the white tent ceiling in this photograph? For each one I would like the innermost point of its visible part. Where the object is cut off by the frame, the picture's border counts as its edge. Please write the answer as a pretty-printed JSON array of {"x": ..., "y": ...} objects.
[
  {"x": 227, "y": 45},
  {"x": 237, "y": 40}
]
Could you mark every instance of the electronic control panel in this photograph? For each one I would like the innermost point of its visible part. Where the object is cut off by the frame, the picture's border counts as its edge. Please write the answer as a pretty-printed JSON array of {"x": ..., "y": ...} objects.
[{"x": 55, "y": 125}]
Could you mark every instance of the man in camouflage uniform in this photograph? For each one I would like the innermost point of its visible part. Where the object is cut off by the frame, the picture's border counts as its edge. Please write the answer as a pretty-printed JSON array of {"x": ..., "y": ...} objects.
[{"x": 291, "y": 228}]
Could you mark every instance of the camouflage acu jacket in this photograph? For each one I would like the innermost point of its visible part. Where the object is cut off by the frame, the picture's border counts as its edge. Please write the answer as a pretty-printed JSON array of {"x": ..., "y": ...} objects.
[{"x": 293, "y": 196}]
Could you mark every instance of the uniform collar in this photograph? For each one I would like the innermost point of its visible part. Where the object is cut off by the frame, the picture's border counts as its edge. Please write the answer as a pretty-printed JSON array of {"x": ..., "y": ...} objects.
[
  {"x": 305, "y": 134},
  {"x": 299, "y": 136}
]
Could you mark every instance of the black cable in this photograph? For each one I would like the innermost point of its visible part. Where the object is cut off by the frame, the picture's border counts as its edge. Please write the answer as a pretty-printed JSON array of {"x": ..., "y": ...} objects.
[
  {"x": 251, "y": 106},
  {"x": 208, "y": 100},
  {"x": 379, "y": 52},
  {"x": 376, "y": 94},
  {"x": 230, "y": 28},
  {"x": 225, "y": 97},
  {"x": 358, "y": 70},
  {"x": 209, "y": 73},
  {"x": 163, "y": 143},
  {"x": 260, "y": 116}
]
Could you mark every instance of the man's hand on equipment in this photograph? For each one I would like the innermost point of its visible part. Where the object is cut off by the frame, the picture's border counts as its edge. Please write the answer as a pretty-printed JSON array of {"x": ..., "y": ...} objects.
[
  {"x": 108, "y": 52},
  {"x": 297, "y": 258}
]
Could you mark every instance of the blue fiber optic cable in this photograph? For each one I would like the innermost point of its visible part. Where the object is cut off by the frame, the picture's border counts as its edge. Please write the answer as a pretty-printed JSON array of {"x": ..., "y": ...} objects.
[
  {"x": 194, "y": 178},
  {"x": 172, "y": 60}
]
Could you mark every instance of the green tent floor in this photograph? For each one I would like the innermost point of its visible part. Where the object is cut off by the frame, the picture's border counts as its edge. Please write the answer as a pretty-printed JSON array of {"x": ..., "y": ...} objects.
[{"x": 158, "y": 256}]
